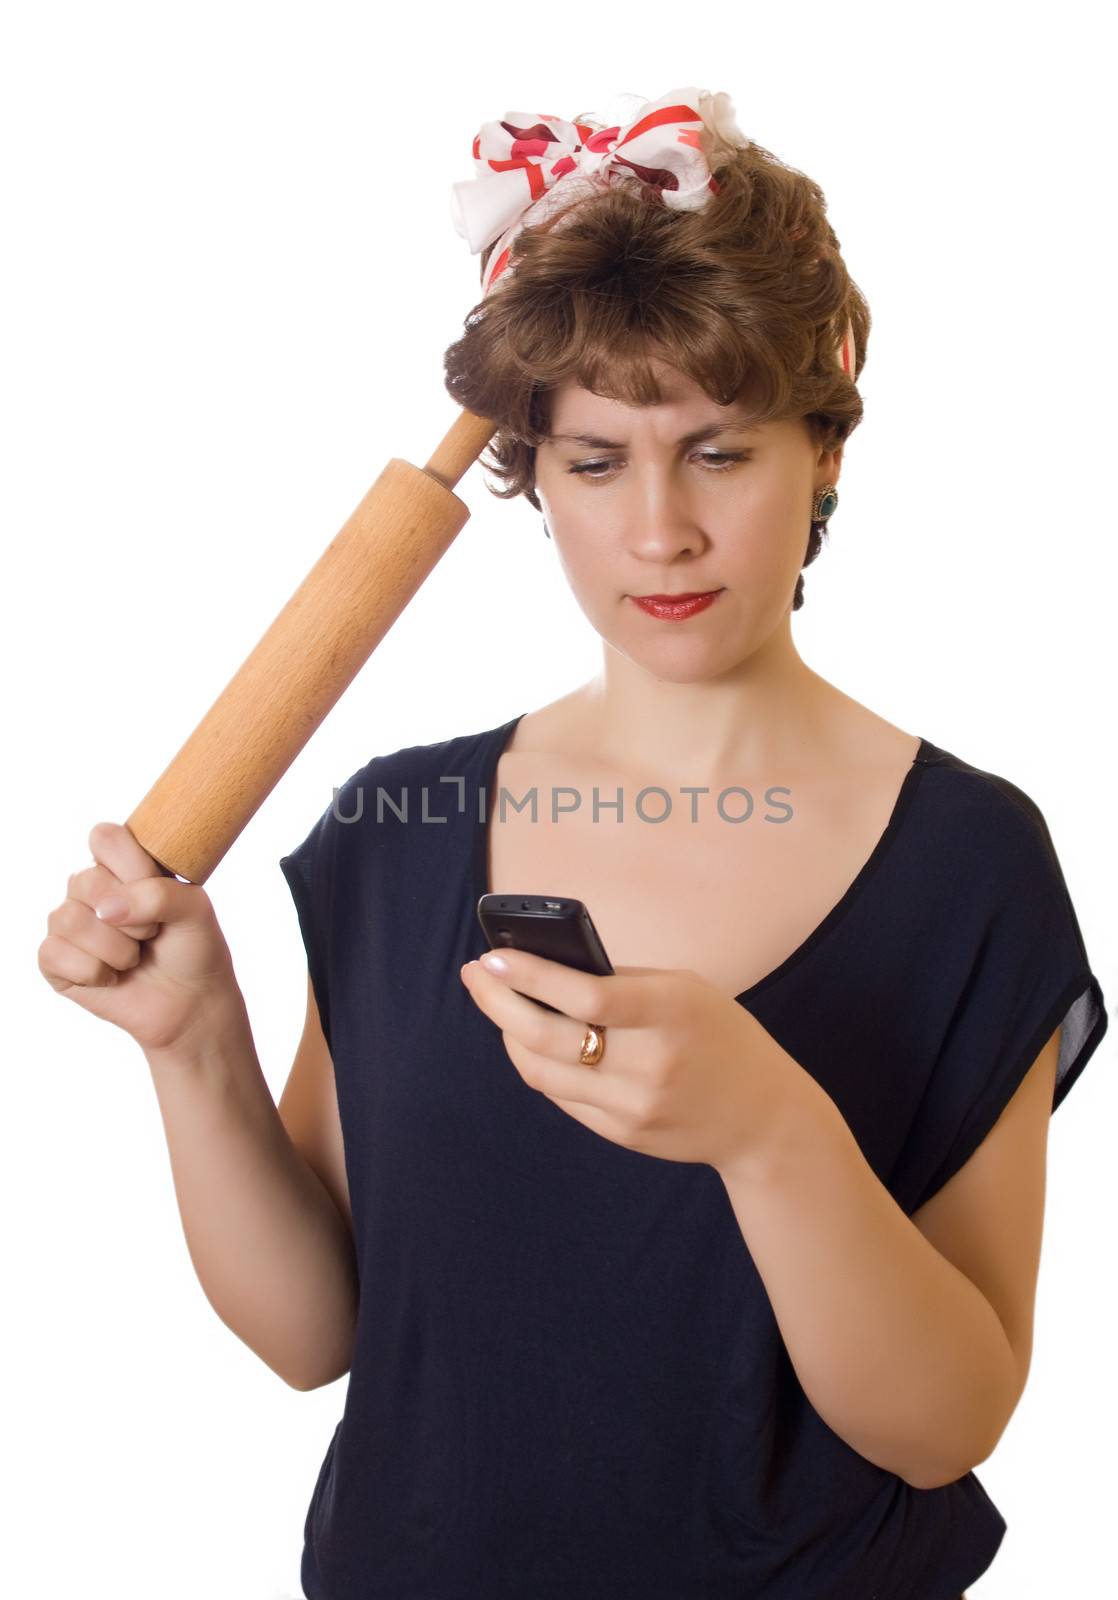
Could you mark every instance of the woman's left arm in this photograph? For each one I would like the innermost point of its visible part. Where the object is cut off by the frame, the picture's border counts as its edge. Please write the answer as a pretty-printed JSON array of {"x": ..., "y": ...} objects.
[{"x": 898, "y": 1350}]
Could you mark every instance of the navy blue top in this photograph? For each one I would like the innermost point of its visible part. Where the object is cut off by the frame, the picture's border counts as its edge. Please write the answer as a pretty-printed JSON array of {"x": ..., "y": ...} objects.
[{"x": 567, "y": 1379}]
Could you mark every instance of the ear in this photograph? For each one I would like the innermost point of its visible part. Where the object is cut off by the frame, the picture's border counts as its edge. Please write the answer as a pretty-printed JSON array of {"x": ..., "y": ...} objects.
[{"x": 829, "y": 464}]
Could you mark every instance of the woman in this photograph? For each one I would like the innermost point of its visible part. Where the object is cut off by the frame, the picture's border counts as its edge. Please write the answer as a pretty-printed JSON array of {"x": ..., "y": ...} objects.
[
  {"x": 765, "y": 1361},
  {"x": 718, "y": 1278}
]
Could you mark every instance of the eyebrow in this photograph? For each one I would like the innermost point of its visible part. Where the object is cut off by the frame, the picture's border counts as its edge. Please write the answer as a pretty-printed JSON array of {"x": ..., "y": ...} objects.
[{"x": 710, "y": 431}]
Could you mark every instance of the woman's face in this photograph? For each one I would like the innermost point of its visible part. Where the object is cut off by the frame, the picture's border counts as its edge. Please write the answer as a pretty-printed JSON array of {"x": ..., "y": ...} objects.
[{"x": 640, "y": 512}]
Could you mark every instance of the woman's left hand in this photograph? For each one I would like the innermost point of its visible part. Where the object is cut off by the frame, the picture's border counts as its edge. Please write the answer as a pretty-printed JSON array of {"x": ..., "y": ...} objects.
[{"x": 687, "y": 1074}]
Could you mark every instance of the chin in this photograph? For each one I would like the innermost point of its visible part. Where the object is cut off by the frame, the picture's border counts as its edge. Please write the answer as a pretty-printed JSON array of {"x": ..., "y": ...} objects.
[{"x": 686, "y": 664}]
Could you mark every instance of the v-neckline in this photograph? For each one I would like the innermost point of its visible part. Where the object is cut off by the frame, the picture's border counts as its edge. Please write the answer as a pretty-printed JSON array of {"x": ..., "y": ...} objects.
[{"x": 498, "y": 740}]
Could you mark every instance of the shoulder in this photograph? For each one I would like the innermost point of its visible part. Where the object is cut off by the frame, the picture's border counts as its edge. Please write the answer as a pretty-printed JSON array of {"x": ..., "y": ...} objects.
[
  {"x": 410, "y": 782},
  {"x": 365, "y": 817},
  {"x": 446, "y": 768},
  {"x": 992, "y": 825},
  {"x": 423, "y": 762},
  {"x": 992, "y": 791}
]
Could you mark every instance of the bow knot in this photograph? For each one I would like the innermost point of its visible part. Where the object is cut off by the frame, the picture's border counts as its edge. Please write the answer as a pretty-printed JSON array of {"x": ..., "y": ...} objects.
[{"x": 520, "y": 159}]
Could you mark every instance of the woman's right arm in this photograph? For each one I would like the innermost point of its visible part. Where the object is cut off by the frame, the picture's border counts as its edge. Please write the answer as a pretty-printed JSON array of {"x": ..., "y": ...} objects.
[
  {"x": 271, "y": 1248},
  {"x": 262, "y": 1208}
]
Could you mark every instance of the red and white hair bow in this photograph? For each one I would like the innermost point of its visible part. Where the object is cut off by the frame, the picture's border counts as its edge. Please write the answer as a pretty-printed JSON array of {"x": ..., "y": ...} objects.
[
  {"x": 520, "y": 160},
  {"x": 530, "y": 164}
]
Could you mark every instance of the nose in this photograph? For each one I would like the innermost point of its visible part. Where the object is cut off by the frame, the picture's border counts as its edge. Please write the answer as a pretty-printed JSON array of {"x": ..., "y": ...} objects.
[{"x": 661, "y": 521}]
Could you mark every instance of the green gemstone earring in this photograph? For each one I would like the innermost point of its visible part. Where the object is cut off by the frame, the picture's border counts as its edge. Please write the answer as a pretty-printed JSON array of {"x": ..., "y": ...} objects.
[{"x": 825, "y": 501}]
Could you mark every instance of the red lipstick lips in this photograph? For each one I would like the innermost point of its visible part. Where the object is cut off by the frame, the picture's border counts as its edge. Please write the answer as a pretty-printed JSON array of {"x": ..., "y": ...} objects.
[{"x": 675, "y": 607}]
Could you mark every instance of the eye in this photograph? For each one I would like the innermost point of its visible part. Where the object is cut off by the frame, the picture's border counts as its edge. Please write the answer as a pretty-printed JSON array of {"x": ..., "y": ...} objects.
[{"x": 714, "y": 461}]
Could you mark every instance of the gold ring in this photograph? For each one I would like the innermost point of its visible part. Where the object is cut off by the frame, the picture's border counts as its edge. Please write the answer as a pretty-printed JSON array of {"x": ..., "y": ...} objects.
[{"x": 593, "y": 1045}]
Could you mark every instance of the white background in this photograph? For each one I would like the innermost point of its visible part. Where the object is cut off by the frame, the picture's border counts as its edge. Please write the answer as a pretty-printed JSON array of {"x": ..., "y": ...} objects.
[{"x": 229, "y": 275}]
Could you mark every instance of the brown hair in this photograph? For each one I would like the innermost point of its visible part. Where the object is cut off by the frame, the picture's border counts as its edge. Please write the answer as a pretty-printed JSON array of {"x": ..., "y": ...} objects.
[{"x": 748, "y": 296}]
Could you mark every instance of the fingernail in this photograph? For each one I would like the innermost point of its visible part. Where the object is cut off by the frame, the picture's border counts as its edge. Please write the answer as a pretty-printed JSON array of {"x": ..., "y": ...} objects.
[
  {"x": 495, "y": 963},
  {"x": 112, "y": 908}
]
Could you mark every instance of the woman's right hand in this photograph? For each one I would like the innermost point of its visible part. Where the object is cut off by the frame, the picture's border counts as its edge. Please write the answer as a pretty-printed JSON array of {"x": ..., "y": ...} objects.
[{"x": 162, "y": 970}]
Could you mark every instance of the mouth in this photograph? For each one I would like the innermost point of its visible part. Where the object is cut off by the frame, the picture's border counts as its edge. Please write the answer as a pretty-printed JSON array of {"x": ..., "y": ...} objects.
[{"x": 675, "y": 607}]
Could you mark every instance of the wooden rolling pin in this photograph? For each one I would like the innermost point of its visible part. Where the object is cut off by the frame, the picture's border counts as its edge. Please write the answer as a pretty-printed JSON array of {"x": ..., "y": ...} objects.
[{"x": 308, "y": 658}]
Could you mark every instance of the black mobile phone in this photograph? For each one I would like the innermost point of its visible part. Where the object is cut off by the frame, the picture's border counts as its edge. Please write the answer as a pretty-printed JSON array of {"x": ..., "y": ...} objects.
[{"x": 552, "y": 926}]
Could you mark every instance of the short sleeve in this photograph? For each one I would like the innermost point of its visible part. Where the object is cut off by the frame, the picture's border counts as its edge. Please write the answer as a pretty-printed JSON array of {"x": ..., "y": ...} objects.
[
  {"x": 310, "y": 871},
  {"x": 1026, "y": 975}
]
